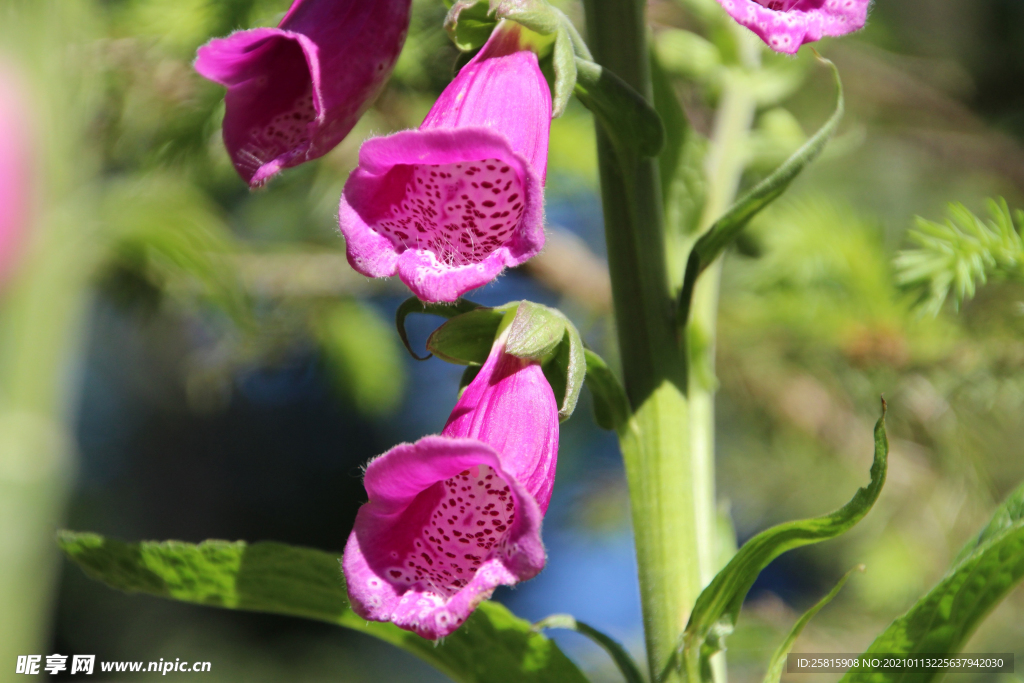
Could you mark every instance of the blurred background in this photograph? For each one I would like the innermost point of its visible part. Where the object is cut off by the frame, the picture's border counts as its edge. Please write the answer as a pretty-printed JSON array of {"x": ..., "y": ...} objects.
[{"x": 183, "y": 358}]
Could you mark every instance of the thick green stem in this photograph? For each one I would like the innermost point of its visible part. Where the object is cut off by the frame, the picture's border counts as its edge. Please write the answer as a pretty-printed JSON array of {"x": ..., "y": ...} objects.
[{"x": 655, "y": 443}]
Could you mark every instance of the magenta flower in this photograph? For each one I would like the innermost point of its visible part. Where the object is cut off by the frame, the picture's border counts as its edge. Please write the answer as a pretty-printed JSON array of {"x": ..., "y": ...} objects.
[
  {"x": 15, "y": 172},
  {"x": 450, "y": 205},
  {"x": 294, "y": 92},
  {"x": 452, "y": 517},
  {"x": 785, "y": 25}
]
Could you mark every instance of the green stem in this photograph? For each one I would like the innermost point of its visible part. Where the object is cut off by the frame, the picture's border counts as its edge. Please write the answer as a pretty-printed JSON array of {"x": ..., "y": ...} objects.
[
  {"x": 726, "y": 161},
  {"x": 655, "y": 442}
]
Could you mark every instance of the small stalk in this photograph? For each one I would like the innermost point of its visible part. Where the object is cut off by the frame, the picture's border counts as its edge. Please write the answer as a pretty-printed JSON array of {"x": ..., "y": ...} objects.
[{"x": 726, "y": 161}]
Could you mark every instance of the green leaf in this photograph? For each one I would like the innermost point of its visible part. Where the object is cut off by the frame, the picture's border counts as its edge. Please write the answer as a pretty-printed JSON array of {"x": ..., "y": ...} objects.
[
  {"x": 623, "y": 660},
  {"x": 468, "y": 375},
  {"x": 717, "y": 607},
  {"x": 727, "y": 228},
  {"x": 628, "y": 119},
  {"x": 942, "y": 621},
  {"x": 611, "y": 406},
  {"x": 414, "y": 305},
  {"x": 493, "y": 646},
  {"x": 778, "y": 661},
  {"x": 467, "y": 339}
]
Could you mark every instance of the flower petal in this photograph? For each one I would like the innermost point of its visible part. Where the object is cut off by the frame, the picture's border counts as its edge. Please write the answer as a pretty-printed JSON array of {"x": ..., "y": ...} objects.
[
  {"x": 296, "y": 91},
  {"x": 444, "y": 526},
  {"x": 502, "y": 88},
  {"x": 462, "y": 200},
  {"x": 270, "y": 109},
  {"x": 510, "y": 406},
  {"x": 785, "y": 25}
]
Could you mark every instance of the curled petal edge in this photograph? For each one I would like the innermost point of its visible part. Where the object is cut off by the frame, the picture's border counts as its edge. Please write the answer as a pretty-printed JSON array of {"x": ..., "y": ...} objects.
[{"x": 393, "y": 481}]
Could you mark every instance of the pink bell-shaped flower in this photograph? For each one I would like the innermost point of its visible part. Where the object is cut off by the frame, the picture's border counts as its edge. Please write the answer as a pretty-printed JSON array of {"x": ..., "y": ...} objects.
[
  {"x": 452, "y": 517},
  {"x": 448, "y": 206},
  {"x": 16, "y": 170},
  {"x": 295, "y": 91},
  {"x": 785, "y": 25}
]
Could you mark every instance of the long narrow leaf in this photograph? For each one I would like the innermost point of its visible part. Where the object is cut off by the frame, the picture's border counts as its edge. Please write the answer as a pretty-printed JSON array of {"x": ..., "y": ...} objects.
[
  {"x": 623, "y": 660},
  {"x": 778, "y": 660},
  {"x": 728, "y": 227},
  {"x": 718, "y": 605}
]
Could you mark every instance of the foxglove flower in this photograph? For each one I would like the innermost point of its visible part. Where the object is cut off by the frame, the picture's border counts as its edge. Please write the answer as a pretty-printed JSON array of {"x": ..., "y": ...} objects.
[
  {"x": 452, "y": 517},
  {"x": 15, "y": 171},
  {"x": 295, "y": 91},
  {"x": 785, "y": 25},
  {"x": 448, "y": 206}
]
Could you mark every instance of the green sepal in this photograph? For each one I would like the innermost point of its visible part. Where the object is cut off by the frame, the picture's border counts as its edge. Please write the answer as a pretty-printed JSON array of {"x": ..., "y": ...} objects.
[
  {"x": 941, "y": 622},
  {"x": 467, "y": 339},
  {"x": 535, "y": 332},
  {"x": 611, "y": 406},
  {"x": 727, "y": 228},
  {"x": 629, "y": 120},
  {"x": 563, "y": 59},
  {"x": 778, "y": 661},
  {"x": 470, "y": 23},
  {"x": 493, "y": 646},
  {"x": 627, "y": 665},
  {"x": 717, "y": 608},
  {"x": 545, "y": 335},
  {"x": 414, "y": 305}
]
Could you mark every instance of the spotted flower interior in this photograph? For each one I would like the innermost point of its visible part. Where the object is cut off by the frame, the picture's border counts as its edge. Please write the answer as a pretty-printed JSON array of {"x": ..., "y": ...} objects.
[
  {"x": 283, "y": 126},
  {"x": 460, "y": 212},
  {"x": 787, "y": 5},
  {"x": 460, "y": 523}
]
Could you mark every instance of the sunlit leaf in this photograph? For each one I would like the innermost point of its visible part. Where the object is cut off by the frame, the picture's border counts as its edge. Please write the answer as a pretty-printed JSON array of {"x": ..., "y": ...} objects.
[
  {"x": 954, "y": 257},
  {"x": 493, "y": 646}
]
